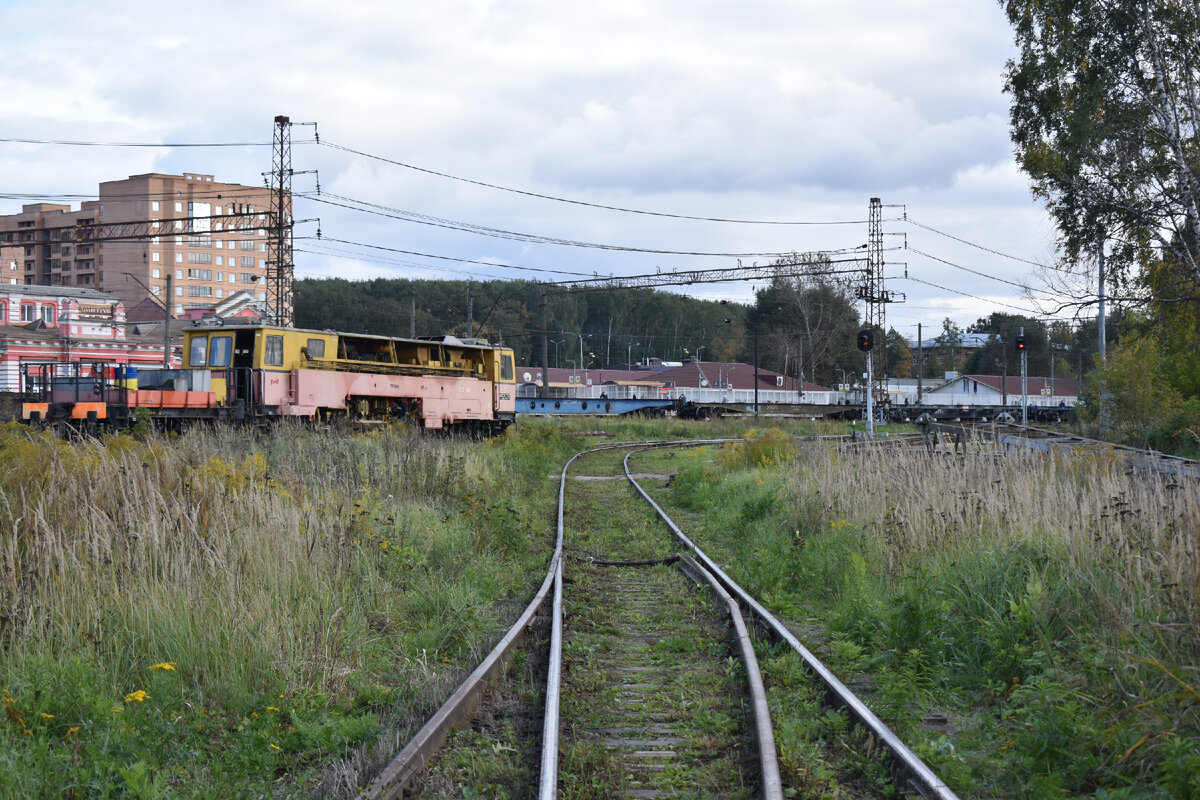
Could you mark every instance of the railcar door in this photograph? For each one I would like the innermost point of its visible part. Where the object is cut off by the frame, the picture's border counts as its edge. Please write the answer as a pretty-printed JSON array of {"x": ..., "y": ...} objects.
[{"x": 243, "y": 388}]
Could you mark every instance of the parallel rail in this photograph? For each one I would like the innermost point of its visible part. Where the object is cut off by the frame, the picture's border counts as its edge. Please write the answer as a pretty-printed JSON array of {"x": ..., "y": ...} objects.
[{"x": 912, "y": 775}]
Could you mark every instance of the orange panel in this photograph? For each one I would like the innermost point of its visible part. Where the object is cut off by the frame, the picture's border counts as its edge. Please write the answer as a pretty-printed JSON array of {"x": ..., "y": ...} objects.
[
  {"x": 81, "y": 410},
  {"x": 27, "y": 409}
]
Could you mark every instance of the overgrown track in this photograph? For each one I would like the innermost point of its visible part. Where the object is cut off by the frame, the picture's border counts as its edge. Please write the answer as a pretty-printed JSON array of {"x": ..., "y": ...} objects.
[
  {"x": 1018, "y": 438},
  {"x": 655, "y": 697},
  {"x": 647, "y": 693}
]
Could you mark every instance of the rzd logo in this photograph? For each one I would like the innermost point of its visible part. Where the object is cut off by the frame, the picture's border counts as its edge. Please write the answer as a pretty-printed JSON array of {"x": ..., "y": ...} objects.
[{"x": 505, "y": 396}]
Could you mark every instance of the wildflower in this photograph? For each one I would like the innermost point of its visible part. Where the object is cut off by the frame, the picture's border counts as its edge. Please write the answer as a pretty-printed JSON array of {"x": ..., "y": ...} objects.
[
  {"x": 47, "y": 716},
  {"x": 274, "y": 747},
  {"x": 137, "y": 697},
  {"x": 71, "y": 731},
  {"x": 118, "y": 709},
  {"x": 167, "y": 665},
  {"x": 272, "y": 708}
]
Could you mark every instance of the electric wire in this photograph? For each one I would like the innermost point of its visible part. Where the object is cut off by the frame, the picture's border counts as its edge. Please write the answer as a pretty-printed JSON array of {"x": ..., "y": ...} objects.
[
  {"x": 70, "y": 143},
  {"x": 497, "y": 233},
  {"x": 912, "y": 221},
  {"x": 585, "y": 203},
  {"x": 489, "y": 264},
  {"x": 1029, "y": 311}
]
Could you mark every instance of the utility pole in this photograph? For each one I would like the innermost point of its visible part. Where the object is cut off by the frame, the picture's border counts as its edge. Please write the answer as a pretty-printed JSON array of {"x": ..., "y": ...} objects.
[
  {"x": 920, "y": 362},
  {"x": 279, "y": 241},
  {"x": 1103, "y": 337},
  {"x": 167, "y": 322},
  {"x": 870, "y": 404},
  {"x": 1003, "y": 373},
  {"x": 1024, "y": 382},
  {"x": 470, "y": 313},
  {"x": 872, "y": 292},
  {"x": 412, "y": 317},
  {"x": 800, "y": 366}
]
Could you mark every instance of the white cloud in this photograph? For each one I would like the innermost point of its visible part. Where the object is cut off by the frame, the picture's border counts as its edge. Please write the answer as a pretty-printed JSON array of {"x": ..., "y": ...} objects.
[{"x": 760, "y": 109}]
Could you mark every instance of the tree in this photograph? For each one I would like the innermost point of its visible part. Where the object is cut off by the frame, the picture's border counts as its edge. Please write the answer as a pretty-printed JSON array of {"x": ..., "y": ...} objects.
[
  {"x": 814, "y": 313},
  {"x": 948, "y": 345},
  {"x": 899, "y": 356},
  {"x": 1105, "y": 115}
]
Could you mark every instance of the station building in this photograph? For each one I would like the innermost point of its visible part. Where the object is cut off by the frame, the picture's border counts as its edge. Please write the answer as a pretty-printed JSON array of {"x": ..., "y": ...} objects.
[
  {"x": 198, "y": 263},
  {"x": 62, "y": 325}
]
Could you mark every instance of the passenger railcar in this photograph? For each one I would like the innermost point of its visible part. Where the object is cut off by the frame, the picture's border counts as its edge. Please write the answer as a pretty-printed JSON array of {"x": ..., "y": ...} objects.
[{"x": 261, "y": 373}]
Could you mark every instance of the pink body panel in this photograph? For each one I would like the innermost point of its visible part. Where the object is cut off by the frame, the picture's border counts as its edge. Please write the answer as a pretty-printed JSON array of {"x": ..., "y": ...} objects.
[{"x": 443, "y": 399}]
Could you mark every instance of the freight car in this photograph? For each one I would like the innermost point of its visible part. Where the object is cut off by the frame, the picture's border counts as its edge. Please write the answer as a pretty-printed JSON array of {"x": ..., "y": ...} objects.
[{"x": 260, "y": 374}]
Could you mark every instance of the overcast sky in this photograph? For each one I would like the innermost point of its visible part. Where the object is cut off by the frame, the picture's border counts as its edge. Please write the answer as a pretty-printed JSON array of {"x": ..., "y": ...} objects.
[{"x": 765, "y": 110}]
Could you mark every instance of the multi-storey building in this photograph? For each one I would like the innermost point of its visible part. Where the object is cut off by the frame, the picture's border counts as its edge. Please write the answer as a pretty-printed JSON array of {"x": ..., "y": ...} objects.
[{"x": 171, "y": 246}]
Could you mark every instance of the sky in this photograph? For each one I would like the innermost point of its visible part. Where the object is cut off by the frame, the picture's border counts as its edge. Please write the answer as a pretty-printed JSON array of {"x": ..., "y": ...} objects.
[{"x": 489, "y": 114}]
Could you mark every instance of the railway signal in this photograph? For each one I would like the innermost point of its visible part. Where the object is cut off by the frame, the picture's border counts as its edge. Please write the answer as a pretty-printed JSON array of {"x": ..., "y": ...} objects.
[
  {"x": 1020, "y": 344},
  {"x": 866, "y": 339}
]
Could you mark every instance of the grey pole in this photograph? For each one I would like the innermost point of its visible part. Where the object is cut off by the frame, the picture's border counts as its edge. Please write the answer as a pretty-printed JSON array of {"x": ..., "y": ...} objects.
[{"x": 1024, "y": 385}]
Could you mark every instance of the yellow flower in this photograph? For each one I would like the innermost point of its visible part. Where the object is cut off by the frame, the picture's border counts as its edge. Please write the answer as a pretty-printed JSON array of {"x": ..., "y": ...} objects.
[
  {"x": 168, "y": 665},
  {"x": 47, "y": 716},
  {"x": 118, "y": 709},
  {"x": 274, "y": 747},
  {"x": 137, "y": 697},
  {"x": 71, "y": 731},
  {"x": 272, "y": 708}
]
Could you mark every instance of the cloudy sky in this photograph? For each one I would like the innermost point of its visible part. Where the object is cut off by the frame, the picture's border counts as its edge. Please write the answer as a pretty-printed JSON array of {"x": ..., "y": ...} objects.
[{"x": 784, "y": 111}]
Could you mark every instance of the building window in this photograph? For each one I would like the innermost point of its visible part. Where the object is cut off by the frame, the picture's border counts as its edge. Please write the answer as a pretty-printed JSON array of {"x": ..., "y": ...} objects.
[
  {"x": 178, "y": 274},
  {"x": 200, "y": 274},
  {"x": 155, "y": 257},
  {"x": 199, "y": 291},
  {"x": 220, "y": 275},
  {"x": 154, "y": 205},
  {"x": 27, "y": 312},
  {"x": 48, "y": 315},
  {"x": 199, "y": 258},
  {"x": 155, "y": 273},
  {"x": 178, "y": 258},
  {"x": 179, "y": 291},
  {"x": 156, "y": 290},
  {"x": 219, "y": 244},
  {"x": 179, "y": 208},
  {"x": 220, "y": 263},
  {"x": 248, "y": 277},
  {"x": 247, "y": 261},
  {"x": 220, "y": 292}
]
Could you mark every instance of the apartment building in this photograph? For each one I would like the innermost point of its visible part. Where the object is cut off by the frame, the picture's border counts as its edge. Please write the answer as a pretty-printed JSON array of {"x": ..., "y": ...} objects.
[{"x": 181, "y": 253}]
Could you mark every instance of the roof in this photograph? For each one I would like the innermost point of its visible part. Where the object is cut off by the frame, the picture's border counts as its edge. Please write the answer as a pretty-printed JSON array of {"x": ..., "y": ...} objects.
[
  {"x": 1063, "y": 387},
  {"x": 75, "y": 292}
]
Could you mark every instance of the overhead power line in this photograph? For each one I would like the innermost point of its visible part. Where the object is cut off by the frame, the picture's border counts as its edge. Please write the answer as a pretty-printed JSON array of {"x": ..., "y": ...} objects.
[
  {"x": 622, "y": 209},
  {"x": 968, "y": 269},
  {"x": 438, "y": 222},
  {"x": 912, "y": 221},
  {"x": 68, "y": 143},
  {"x": 490, "y": 264},
  {"x": 972, "y": 296}
]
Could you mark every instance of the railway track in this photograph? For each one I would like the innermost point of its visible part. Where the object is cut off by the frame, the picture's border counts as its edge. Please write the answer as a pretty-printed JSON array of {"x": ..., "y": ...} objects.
[
  {"x": 652, "y": 683},
  {"x": 1012, "y": 438}
]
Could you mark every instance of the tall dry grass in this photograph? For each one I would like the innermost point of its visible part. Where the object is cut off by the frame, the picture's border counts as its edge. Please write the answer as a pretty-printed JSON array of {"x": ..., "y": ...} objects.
[
  {"x": 1139, "y": 529},
  {"x": 344, "y": 569}
]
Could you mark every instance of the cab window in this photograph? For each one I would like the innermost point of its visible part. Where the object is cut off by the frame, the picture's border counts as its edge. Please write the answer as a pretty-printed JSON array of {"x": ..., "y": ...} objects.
[
  {"x": 315, "y": 348},
  {"x": 198, "y": 351},
  {"x": 220, "y": 351},
  {"x": 506, "y": 367},
  {"x": 273, "y": 354}
]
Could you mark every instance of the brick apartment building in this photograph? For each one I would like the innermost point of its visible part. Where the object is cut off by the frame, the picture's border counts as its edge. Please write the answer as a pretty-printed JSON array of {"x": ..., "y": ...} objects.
[{"x": 202, "y": 263}]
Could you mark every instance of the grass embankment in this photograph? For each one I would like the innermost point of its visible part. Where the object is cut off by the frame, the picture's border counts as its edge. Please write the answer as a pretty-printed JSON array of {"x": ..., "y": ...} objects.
[
  {"x": 1031, "y": 625},
  {"x": 221, "y": 615}
]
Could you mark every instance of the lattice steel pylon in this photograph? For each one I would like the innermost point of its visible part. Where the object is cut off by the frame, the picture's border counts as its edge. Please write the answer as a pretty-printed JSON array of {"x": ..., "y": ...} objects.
[
  {"x": 876, "y": 297},
  {"x": 279, "y": 235}
]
